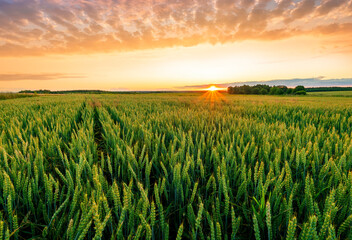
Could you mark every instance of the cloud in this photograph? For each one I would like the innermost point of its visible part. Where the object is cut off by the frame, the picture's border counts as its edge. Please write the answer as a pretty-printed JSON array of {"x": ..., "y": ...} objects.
[
  {"x": 36, "y": 77},
  {"x": 307, "y": 82},
  {"x": 303, "y": 8},
  {"x": 329, "y": 5},
  {"x": 44, "y": 27}
]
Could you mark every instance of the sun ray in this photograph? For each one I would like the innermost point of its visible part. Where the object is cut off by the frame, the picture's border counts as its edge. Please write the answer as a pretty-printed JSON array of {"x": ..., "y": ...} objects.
[{"x": 213, "y": 95}]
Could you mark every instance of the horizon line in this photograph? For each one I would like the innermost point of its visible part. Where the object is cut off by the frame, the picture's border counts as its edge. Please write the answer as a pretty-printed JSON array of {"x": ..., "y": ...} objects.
[{"x": 92, "y": 91}]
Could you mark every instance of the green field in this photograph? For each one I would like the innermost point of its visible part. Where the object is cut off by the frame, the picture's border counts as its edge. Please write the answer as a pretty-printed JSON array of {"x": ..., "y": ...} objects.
[
  {"x": 5, "y": 96},
  {"x": 332, "y": 94},
  {"x": 176, "y": 166}
]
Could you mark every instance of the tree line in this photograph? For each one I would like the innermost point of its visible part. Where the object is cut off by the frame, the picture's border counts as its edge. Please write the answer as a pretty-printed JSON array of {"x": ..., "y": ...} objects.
[
  {"x": 328, "y": 89},
  {"x": 263, "y": 89},
  {"x": 44, "y": 91}
]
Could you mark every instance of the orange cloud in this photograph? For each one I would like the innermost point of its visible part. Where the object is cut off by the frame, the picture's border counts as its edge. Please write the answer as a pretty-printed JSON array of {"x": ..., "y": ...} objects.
[
  {"x": 38, "y": 27},
  {"x": 36, "y": 77}
]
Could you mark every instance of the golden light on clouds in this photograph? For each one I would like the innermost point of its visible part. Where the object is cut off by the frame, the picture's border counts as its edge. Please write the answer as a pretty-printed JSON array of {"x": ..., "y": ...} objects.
[{"x": 160, "y": 44}]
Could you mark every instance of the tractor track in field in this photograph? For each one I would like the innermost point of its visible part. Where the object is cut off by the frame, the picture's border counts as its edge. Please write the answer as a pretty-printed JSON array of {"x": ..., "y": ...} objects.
[{"x": 98, "y": 130}]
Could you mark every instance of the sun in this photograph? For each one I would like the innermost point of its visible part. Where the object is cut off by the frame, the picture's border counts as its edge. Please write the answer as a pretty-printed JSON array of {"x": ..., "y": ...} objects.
[{"x": 213, "y": 88}]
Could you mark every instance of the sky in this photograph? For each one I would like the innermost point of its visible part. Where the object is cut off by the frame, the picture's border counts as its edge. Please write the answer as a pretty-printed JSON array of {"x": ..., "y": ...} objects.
[{"x": 170, "y": 45}]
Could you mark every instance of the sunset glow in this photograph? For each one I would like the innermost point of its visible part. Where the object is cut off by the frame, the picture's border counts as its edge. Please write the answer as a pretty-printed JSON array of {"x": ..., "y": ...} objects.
[
  {"x": 169, "y": 44},
  {"x": 214, "y": 88}
]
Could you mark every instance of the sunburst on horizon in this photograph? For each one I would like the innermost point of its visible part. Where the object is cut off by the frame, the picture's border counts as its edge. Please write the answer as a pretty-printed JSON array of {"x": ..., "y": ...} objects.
[
  {"x": 213, "y": 94},
  {"x": 213, "y": 88}
]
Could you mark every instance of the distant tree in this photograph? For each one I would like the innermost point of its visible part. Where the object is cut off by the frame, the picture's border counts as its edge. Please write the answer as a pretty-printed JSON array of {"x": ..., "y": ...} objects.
[
  {"x": 256, "y": 90},
  {"x": 266, "y": 87},
  {"x": 247, "y": 89},
  {"x": 283, "y": 88},
  {"x": 299, "y": 88},
  {"x": 263, "y": 91},
  {"x": 272, "y": 91},
  {"x": 276, "y": 91},
  {"x": 301, "y": 93},
  {"x": 328, "y": 89}
]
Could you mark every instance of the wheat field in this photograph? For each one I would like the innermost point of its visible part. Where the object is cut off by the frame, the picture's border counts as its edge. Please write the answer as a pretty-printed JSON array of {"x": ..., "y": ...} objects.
[{"x": 175, "y": 166}]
